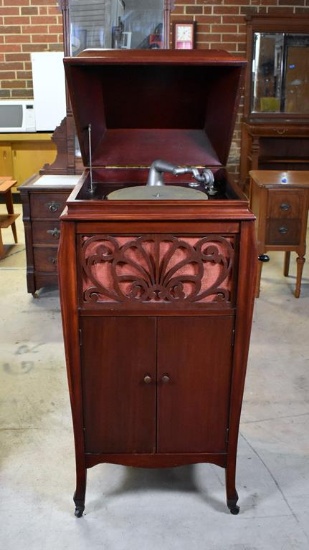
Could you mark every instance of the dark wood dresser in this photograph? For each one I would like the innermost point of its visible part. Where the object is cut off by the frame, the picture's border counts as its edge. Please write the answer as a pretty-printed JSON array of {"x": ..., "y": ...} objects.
[
  {"x": 43, "y": 199},
  {"x": 156, "y": 293}
]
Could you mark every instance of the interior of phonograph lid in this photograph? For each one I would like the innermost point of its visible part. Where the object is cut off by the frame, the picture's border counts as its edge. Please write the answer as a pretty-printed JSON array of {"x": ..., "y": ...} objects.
[{"x": 135, "y": 106}]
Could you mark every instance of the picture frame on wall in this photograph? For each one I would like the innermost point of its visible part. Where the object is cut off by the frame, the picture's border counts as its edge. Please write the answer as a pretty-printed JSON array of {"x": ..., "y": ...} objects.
[{"x": 184, "y": 35}]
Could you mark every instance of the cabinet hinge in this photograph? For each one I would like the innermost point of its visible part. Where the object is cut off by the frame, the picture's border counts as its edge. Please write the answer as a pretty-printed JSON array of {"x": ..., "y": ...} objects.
[
  {"x": 227, "y": 435},
  {"x": 80, "y": 337}
]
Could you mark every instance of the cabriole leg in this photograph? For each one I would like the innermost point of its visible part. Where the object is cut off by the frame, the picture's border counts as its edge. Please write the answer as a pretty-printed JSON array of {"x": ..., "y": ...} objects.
[
  {"x": 79, "y": 495},
  {"x": 232, "y": 504},
  {"x": 231, "y": 493}
]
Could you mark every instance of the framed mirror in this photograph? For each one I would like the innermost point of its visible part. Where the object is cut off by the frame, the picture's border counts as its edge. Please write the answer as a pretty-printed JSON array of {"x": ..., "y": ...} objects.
[
  {"x": 280, "y": 69},
  {"x": 277, "y": 84}
]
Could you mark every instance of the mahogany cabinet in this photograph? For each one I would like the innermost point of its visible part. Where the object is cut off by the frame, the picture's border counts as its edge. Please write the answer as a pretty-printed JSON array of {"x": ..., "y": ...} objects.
[
  {"x": 156, "y": 294},
  {"x": 173, "y": 397}
]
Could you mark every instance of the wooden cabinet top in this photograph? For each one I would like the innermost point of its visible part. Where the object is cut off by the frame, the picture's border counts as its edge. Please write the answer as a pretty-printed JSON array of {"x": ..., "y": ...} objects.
[
  {"x": 49, "y": 182},
  {"x": 275, "y": 178},
  {"x": 29, "y": 136}
]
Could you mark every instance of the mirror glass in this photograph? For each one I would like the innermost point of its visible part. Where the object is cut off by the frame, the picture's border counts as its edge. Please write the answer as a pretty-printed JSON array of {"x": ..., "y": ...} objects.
[
  {"x": 119, "y": 24},
  {"x": 280, "y": 73}
]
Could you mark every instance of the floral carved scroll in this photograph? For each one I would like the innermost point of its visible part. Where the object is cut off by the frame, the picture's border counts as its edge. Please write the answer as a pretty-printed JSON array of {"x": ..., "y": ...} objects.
[{"x": 156, "y": 268}]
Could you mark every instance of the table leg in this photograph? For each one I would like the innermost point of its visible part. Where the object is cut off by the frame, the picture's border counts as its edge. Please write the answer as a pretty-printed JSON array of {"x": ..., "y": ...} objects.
[
  {"x": 1, "y": 246},
  {"x": 286, "y": 264},
  {"x": 10, "y": 209},
  {"x": 300, "y": 264}
]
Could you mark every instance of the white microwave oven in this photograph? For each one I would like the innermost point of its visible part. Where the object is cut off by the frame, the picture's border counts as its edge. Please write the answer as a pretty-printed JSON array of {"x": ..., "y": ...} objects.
[{"x": 17, "y": 115}]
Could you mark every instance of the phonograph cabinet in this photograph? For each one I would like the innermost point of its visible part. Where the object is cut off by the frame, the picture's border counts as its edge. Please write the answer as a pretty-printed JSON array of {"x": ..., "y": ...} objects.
[{"x": 156, "y": 281}]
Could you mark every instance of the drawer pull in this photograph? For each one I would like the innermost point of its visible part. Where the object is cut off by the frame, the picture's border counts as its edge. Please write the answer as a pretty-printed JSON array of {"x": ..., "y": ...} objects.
[
  {"x": 283, "y": 230},
  {"x": 53, "y": 260},
  {"x": 147, "y": 379},
  {"x": 54, "y": 232},
  {"x": 53, "y": 206},
  {"x": 165, "y": 379},
  {"x": 280, "y": 131},
  {"x": 285, "y": 206}
]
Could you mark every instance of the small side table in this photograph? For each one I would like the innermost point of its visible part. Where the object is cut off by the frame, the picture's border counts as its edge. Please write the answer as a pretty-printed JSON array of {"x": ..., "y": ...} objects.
[
  {"x": 280, "y": 202},
  {"x": 7, "y": 220}
]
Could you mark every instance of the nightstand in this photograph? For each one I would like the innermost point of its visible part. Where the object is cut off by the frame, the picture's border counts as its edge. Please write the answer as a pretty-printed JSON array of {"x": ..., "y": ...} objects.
[
  {"x": 280, "y": 202},
  {"x": 43, "y": 198}
]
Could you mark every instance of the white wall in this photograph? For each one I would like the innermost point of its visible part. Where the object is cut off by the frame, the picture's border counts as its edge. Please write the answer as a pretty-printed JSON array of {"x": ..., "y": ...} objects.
[{"x": 48, "y": 90}]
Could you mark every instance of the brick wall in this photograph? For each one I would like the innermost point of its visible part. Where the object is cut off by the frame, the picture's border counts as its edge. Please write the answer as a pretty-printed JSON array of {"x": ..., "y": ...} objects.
[
  {"x": 35, "y": 25},
  {"x": 221, "y": 23},
  {"x": 26, "y": 26}
]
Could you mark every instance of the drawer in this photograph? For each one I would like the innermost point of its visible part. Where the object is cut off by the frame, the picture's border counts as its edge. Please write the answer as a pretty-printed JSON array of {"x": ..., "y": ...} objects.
[
  {"x": 285, "y": 204},
  {"x": 45, "y": 259},
  {"x": 47, "y": 205},
  {"x": 46, "y": 232},
  {"x": 283, "y": 231}
]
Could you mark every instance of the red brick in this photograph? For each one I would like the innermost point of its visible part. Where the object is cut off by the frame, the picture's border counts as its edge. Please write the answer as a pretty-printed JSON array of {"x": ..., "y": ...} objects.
[
  {"x": 24, "y": 75},
  {"x": 16, "y": 39},
  {"x": 9, "y": 11},
  {"x": 42, "y": 20},
  {"x": 46, "y": 2},
  {"x": 13, "y": 48},
  {"x": 10, "y": 29},
  {"x": 194, "y": 10},
  {"x": 16, "y": 57},
  {"x": 16, "y": 20},
  {"x": 14, "y": 66},
  {"x": 18, "y": 3},
  {"x": 226, "y": 10},
  {"x": 11, "y": 84},
  {"x": 224, "y": 28},
  {"x": 43, "y": 38},
  {"x": 7, "y": 75},
  {"x": 31, "y": 10}
]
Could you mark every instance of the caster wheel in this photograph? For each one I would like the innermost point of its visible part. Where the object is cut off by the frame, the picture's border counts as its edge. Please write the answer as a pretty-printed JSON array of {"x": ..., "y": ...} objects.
[
  {"x": 233, "y": 507},
  {"x": 78, "y": 512},
  {"x": 234, "y": 510}
]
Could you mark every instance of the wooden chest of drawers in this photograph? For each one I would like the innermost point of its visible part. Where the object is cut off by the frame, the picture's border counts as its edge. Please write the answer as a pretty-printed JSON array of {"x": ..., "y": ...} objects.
[
  {"x": 43, "y": 200},
  {"x": 280, "y": 202}
]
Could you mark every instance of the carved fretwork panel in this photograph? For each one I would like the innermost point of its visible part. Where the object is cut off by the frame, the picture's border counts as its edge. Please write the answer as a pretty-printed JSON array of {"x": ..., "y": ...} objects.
[{"x": 156, "y": 269}]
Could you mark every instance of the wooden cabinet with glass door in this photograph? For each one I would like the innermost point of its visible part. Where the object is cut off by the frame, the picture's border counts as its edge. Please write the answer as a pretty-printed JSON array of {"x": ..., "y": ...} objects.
[{"x": 275, "y": 128}]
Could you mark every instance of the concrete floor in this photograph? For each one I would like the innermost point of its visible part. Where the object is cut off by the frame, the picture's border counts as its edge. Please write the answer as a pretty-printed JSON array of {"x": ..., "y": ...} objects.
[{"x": 126, "y": 508}]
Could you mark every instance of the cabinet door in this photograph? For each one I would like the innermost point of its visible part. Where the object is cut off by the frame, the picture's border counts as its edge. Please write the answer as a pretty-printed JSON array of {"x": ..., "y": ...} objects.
[
  {"x": 29, "y": 157},
  {"x": 119, "y": 402},
  {"x": 194, "y": 382}
]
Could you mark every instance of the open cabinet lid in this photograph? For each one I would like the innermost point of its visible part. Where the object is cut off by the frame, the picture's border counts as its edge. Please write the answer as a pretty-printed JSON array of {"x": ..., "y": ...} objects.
[{"x": 135, "y": 106}]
